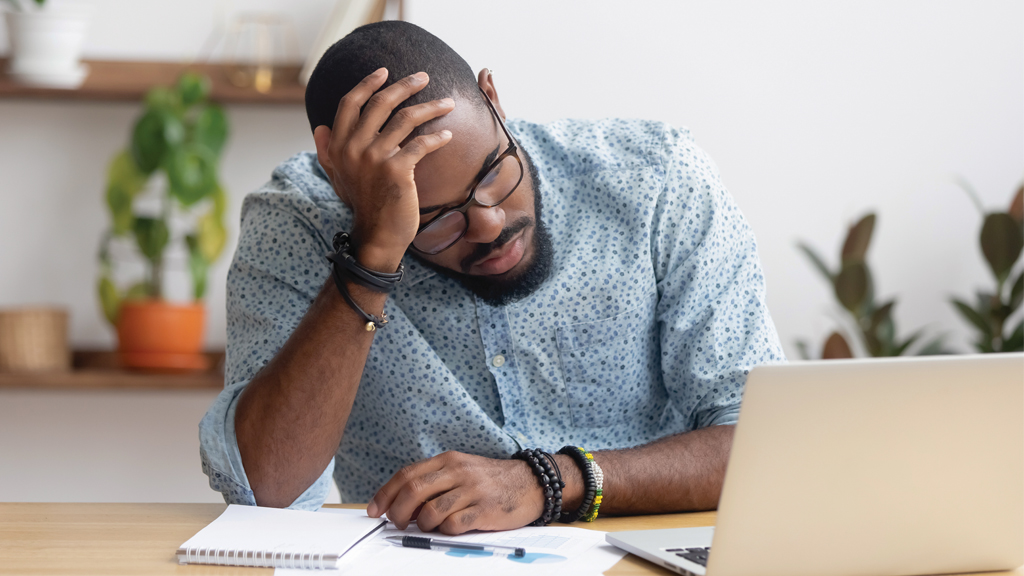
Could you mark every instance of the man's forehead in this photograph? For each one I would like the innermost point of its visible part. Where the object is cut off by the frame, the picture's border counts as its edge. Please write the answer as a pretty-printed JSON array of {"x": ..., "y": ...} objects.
[{"x": 452, "y": 169}]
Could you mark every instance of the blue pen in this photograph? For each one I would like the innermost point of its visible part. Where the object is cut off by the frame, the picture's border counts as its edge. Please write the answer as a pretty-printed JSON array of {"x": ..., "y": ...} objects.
[{"x": 437, "y": 544}]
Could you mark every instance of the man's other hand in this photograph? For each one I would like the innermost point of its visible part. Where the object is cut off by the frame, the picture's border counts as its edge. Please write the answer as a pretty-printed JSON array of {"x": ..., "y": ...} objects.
[{"x": 455, "y": 493}]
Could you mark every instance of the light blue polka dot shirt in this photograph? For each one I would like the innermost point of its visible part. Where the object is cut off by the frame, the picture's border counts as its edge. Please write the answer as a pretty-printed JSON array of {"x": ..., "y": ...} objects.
[{"x": 652, "y": 316}]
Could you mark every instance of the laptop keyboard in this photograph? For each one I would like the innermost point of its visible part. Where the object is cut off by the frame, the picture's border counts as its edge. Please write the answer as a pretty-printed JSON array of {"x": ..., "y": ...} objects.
[{"x": 696, "y": 555}]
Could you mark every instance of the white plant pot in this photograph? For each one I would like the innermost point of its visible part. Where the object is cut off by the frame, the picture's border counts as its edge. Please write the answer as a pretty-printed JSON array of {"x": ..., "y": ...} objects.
[{"x": 46, "y": 46}]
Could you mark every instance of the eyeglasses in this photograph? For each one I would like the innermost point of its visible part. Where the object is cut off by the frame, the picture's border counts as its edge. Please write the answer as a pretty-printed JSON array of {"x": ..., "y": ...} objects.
[{"x": 498, "y": 183}]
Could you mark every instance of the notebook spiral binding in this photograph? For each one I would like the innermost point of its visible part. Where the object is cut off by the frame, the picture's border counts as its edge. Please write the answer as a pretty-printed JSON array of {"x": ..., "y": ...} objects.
[{"x": 257, "y": 559}]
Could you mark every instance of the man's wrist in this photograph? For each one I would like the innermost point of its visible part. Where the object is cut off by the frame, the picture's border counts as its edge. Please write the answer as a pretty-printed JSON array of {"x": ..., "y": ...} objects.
[
  {"x": 572, "y": 494},
  {"x": 377, "y": 259}
]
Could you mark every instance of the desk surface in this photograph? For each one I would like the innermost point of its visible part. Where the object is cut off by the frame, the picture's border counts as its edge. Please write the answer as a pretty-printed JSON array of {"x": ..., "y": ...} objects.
[{"x": 141, "y": 539}]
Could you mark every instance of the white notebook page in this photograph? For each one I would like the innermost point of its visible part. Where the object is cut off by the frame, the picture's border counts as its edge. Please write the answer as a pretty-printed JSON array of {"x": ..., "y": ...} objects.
[{"x": 272, "y": 530}]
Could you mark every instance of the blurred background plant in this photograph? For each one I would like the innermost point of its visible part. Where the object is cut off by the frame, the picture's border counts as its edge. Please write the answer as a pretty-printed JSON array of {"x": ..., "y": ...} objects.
[
  {"x": 872, "y": 322},
  {"x": 20, "y": 4},
  {"x": 1002, "y": 240},
  {"x": 180, "y": 135}
]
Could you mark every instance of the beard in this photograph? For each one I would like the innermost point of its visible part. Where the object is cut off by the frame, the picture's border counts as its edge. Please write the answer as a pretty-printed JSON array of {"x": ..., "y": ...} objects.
[{"x": 514, "y": 285}]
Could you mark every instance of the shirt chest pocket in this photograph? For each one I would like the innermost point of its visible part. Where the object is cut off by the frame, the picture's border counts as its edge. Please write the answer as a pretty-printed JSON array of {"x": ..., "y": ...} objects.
[{"x": 610, "y": 368}]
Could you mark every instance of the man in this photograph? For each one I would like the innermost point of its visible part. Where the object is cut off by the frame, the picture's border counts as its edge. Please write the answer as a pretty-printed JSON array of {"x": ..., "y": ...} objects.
[{"x": 580, "y": 283}]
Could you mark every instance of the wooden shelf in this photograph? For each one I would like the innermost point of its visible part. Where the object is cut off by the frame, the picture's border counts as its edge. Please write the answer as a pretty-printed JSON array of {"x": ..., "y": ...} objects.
[
  {"x": 99, "y": 370},
  {"x": 110, "y": 80}
]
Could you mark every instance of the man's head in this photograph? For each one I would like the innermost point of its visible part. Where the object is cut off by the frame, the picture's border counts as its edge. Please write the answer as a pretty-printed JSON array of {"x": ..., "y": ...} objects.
[{"x": 510, "y": 235}]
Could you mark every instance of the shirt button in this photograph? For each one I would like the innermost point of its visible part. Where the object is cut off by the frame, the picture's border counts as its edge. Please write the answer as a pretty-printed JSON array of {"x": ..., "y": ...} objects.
[
  {"x": 521, "y": 437},
  {"x": 498, "y": 361}
]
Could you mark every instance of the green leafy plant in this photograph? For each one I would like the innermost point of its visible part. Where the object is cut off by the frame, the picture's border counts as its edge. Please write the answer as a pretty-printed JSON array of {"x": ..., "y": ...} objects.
[
  {"x": 1002, "y": 240},
  {"x": 853, "y": 287},
  {"x": 180, "y": 135}
]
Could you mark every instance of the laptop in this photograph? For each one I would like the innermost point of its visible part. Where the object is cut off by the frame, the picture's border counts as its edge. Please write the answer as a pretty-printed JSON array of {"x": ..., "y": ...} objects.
[{"x": 865, "y": 467}]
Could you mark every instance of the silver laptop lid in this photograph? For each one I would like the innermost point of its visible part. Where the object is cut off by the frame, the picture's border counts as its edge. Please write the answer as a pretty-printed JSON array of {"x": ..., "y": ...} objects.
[{"x": 903, "y": 466}]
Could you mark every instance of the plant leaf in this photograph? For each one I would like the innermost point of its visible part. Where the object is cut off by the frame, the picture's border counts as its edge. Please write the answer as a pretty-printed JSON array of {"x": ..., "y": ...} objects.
[
  {"x": 156, "y": 132},
  {"x": 973, "y": 317},
  {"x": 851, "y": 285},
  {"x": 985, "y": 301},
  {"x": 1001, "y": 242},
  {"x": 124, "y": 181},
  {"x": 858, "y": 239},
  {"x": 874, "y": 344},
  {"x": 966, "y": 186},
  {"x": 211, "y": 129},
  {"x": 139, "y": 291},
  {"x": 220, "y": 201},
  {"x": 802, "y": 350},
  {"x": 163, "y": 98},
  {"x": 109, "y": 299},
  {"x": 1015, "y": 343},
  {"x": 887, "y": 336},
  {"x": 933, "y": 348},
  {"x": 1017, "y": 206},
  {"x": 836, "y": 347},
  {"x": 881, "y": 314},
  {"x": 198, "y": 266},
  {"x": 193, "y": 88},
  {"x": 816, "y": 260},
  {"x": 1017, "y": 292},
  {"x": 152, "y": 236},
  {"x": 191, "y": 173},
  {"x": 210, "y": 236},
  {"x": 900, "y": 349}
]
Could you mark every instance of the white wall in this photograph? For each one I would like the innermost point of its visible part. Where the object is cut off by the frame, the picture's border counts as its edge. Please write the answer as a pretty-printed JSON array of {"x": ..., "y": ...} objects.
[
  {"x": 102, "y": 446},
  {"x": 814, "y": 111}
]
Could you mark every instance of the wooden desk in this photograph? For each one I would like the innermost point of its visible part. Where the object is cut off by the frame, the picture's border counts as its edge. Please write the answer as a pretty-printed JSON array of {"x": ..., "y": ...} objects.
[{"x": 140, "y": 539}]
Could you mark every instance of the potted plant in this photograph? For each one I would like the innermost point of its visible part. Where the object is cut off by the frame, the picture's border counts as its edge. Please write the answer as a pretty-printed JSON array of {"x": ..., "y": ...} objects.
[
  {"x": 871, "y": 323},
  {"x": 46, "y": 43},
  {"x": 1002, "y": 240},
  {"x": 173, "y": 156}
]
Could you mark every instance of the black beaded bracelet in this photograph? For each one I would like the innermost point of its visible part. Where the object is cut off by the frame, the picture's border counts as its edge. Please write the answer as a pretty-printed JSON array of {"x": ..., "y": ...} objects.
[
  {"x": 550, "y": 481},
  {"x": 589, "y": 484}
]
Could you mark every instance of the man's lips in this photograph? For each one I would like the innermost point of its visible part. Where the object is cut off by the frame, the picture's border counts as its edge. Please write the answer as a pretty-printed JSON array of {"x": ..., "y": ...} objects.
[{"x": 505, "y": 258}]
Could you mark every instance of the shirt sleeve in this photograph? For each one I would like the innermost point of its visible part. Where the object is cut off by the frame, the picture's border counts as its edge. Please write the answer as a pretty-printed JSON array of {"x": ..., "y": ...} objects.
[
  {"x": 277, "y": 271},
  {"x": 713, "y": 323}
]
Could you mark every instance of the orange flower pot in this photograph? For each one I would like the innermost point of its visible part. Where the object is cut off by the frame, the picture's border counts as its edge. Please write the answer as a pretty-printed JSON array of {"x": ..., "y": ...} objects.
[{"x": 158, "y": 335}]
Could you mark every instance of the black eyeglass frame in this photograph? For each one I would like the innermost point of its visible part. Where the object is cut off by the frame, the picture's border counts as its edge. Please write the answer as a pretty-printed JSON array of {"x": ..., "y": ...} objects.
[{"x": 512, "y": 150}]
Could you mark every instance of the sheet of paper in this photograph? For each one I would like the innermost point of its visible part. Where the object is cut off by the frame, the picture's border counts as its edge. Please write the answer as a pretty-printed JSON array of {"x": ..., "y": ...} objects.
[{"x": 550, "y": 550}]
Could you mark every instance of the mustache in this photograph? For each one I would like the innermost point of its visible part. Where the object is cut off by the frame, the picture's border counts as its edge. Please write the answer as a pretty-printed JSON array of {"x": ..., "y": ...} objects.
[{"x": 483, "y": 250}]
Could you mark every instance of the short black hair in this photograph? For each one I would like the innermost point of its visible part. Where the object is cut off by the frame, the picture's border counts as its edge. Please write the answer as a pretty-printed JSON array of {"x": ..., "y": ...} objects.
[{"x": 403, "y": 49}]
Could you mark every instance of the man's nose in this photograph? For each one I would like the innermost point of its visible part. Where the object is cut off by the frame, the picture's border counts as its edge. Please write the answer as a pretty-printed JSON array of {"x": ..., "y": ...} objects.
[{"x": 485, "y": 224}]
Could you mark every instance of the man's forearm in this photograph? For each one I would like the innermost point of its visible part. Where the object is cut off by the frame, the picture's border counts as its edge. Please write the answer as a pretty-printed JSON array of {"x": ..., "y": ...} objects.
[
  {"x": 677, "y": 473},
  {"x": 291, "y": 416}
]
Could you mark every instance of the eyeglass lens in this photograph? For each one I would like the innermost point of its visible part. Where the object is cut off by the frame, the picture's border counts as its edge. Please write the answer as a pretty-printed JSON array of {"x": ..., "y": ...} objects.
[{"x": 492, "y": 190}]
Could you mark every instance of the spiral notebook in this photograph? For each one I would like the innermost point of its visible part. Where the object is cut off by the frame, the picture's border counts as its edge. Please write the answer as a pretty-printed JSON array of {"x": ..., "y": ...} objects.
[{"x": 277, "y": 538}]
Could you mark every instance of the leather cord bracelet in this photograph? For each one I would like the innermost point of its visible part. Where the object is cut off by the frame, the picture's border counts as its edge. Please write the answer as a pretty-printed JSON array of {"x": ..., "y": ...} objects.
[
  {"x": 373, "y": 322},
  {"x": 345, "y": 267},
  {"x": 382, "y": 282}
]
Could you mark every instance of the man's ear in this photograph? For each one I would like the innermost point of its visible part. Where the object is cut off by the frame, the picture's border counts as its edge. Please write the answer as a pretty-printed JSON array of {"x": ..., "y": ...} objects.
[
  {"x": 485, "y": 80},
  {"x": 322, "y": 139}
]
